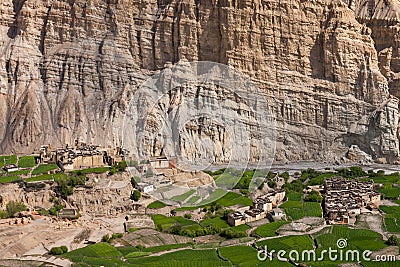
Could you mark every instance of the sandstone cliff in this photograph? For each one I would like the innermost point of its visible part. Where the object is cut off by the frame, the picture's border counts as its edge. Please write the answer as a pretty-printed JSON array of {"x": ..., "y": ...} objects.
[{"x": 329, "y": 69}]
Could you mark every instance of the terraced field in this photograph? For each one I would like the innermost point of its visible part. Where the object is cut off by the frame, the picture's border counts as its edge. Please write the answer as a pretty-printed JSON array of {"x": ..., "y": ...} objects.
[
  {"x": 360, "y": 239},
  {"x": 247, "y": 256},
  {"x": 269, "y": 229},
  {"x": 206, "y": 258},
  {"x": 156, "y": 205},
  {"x": 391, "y": 218},
  {"x": 26, "y": 162},
  {"x": 44, "y": 168},
  {"x": 217, "y": 221},
  {"x": 8, "y": 179},
  {"x": 231, "y": 199},
  {"x": 11, "y": 159},
  {"x": 296, "y": 208},
  {"x": 301, "y": 242},
  {"x": 163, "y": 222}
]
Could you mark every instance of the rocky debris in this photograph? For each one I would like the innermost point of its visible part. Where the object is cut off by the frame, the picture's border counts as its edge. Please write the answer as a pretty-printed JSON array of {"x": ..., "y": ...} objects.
[
  {"x": 106, "y": 196},
  {"x": 38, "y": 198},
  {"x": 355, "y": 154},
  {"x": 69, "y": 68}
]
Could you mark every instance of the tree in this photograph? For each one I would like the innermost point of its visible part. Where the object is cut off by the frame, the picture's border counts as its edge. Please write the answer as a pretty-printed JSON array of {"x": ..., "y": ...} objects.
[
  {"x": 13, "y": 207},
  {"x": 188, "y": 216},
  {"x": 121, "y": 166},
  {"x": 393, "y": 241},
  {"x": 140, "y": 247},
  {"x": 136, "y": 195},
  {"x": 285, "y": 175},
  {"x": 314, "y": 196},
  {"x": 134, "y": 181},
  {"x": 271, "y": 184}
]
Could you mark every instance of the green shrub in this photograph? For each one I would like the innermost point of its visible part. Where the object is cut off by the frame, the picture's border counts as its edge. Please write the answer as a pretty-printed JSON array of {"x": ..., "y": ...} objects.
[
  {"x": 393, "y": 241},
  {"x": 229, "y": 234},
  {"x": 3, "y": 214},
  {"x": 13, "y": 207},
  {"x": 66, "y": 184},
  {"x": 58, "y": 250},
  {"x": 42, "y": 211},
  {"x": 136, "y": 195},
  {"x": 156, "y": 205},
  {"x": 140, "y": 247},
  {"x": 314, "y": 196},
  {"x": 285, "y": 175},
  {"x": 109, "y": 238}
]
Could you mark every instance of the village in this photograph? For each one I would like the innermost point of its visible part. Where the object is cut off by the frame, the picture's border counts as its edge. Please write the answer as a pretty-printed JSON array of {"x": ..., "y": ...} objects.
[{"x": 103, "y": 203}]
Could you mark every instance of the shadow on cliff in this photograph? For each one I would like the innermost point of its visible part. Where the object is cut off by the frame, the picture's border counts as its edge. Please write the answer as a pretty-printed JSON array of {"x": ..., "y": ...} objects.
[
  {"x": 316, "y": 59},
  {"x": 14, "y": 28},
  {"x": 367, "y": 136}
]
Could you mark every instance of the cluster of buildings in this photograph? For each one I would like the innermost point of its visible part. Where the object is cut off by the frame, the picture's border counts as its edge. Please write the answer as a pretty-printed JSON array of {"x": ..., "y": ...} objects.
[
  {"x": 155, "y": 168},
  {"x": 81, "y": 156},
  {"x": 345, "y": 199},
  {"x": 262, "y": 207}
]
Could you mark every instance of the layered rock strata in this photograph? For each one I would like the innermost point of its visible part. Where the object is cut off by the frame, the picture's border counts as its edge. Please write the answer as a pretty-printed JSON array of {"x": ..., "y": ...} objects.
[{"x": 329, "y": 69}]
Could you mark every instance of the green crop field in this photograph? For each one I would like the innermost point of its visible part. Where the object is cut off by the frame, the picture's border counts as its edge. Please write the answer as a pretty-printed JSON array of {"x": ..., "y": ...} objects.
[
  {"x": 46, "y": 177},
  {"x": 292, "y": 204},
  {"x": 8, "y": 179},
  {"x": 100, "y": 254},
  {"x": 21, "y": 172},
  {"x": 361, "y": 239},
  {"x": 320, "y": 179},
  {"x": 391, "y": 218},
  {"x": 137, "y": 254},
  {"x": 241, "y": 228},
  {"x": 125, "y": 250},
  {"x": 206, "y": 258},
  {"x": 26, "y": 162},
  {"x": 163, "y": 222},
  {"x": 298, "y": 242},
  {"x": 269, "y": 229},
  {"x": 392, "y": 225},
  {"x": 43, "y": 177},
  {"x": 295, "y": 196},
  {"x": 156, "y": 205},
  {"x": 312, "y": 209},
  {"x": 192, "y": 200},
  {"x": 219, "y": 196},
  {"x": 226, "y": 181},
  {"x": 12, "y": 159},
  {"x": 231, "y": 199},
  {"x": 296, "y": 208},
  {"x": 389, "y": 191},
  {"x": 44, "y": 168},
  {"x": 380, "y": 264},
  {"x": 215, "y": 195},
  {"x": 166, "y": 247},
  {"x": 183, "y": 197},
  {"x": 92, "y": 170},
  {"x": 240, "y": 255},
  {"x": 247, "y": 256},
  {"x": 217, "y": 221}
]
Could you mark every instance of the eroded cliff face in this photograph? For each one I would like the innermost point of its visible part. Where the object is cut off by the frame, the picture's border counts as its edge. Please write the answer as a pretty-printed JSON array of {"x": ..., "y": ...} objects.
[{"x": 329, "y": 69}]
